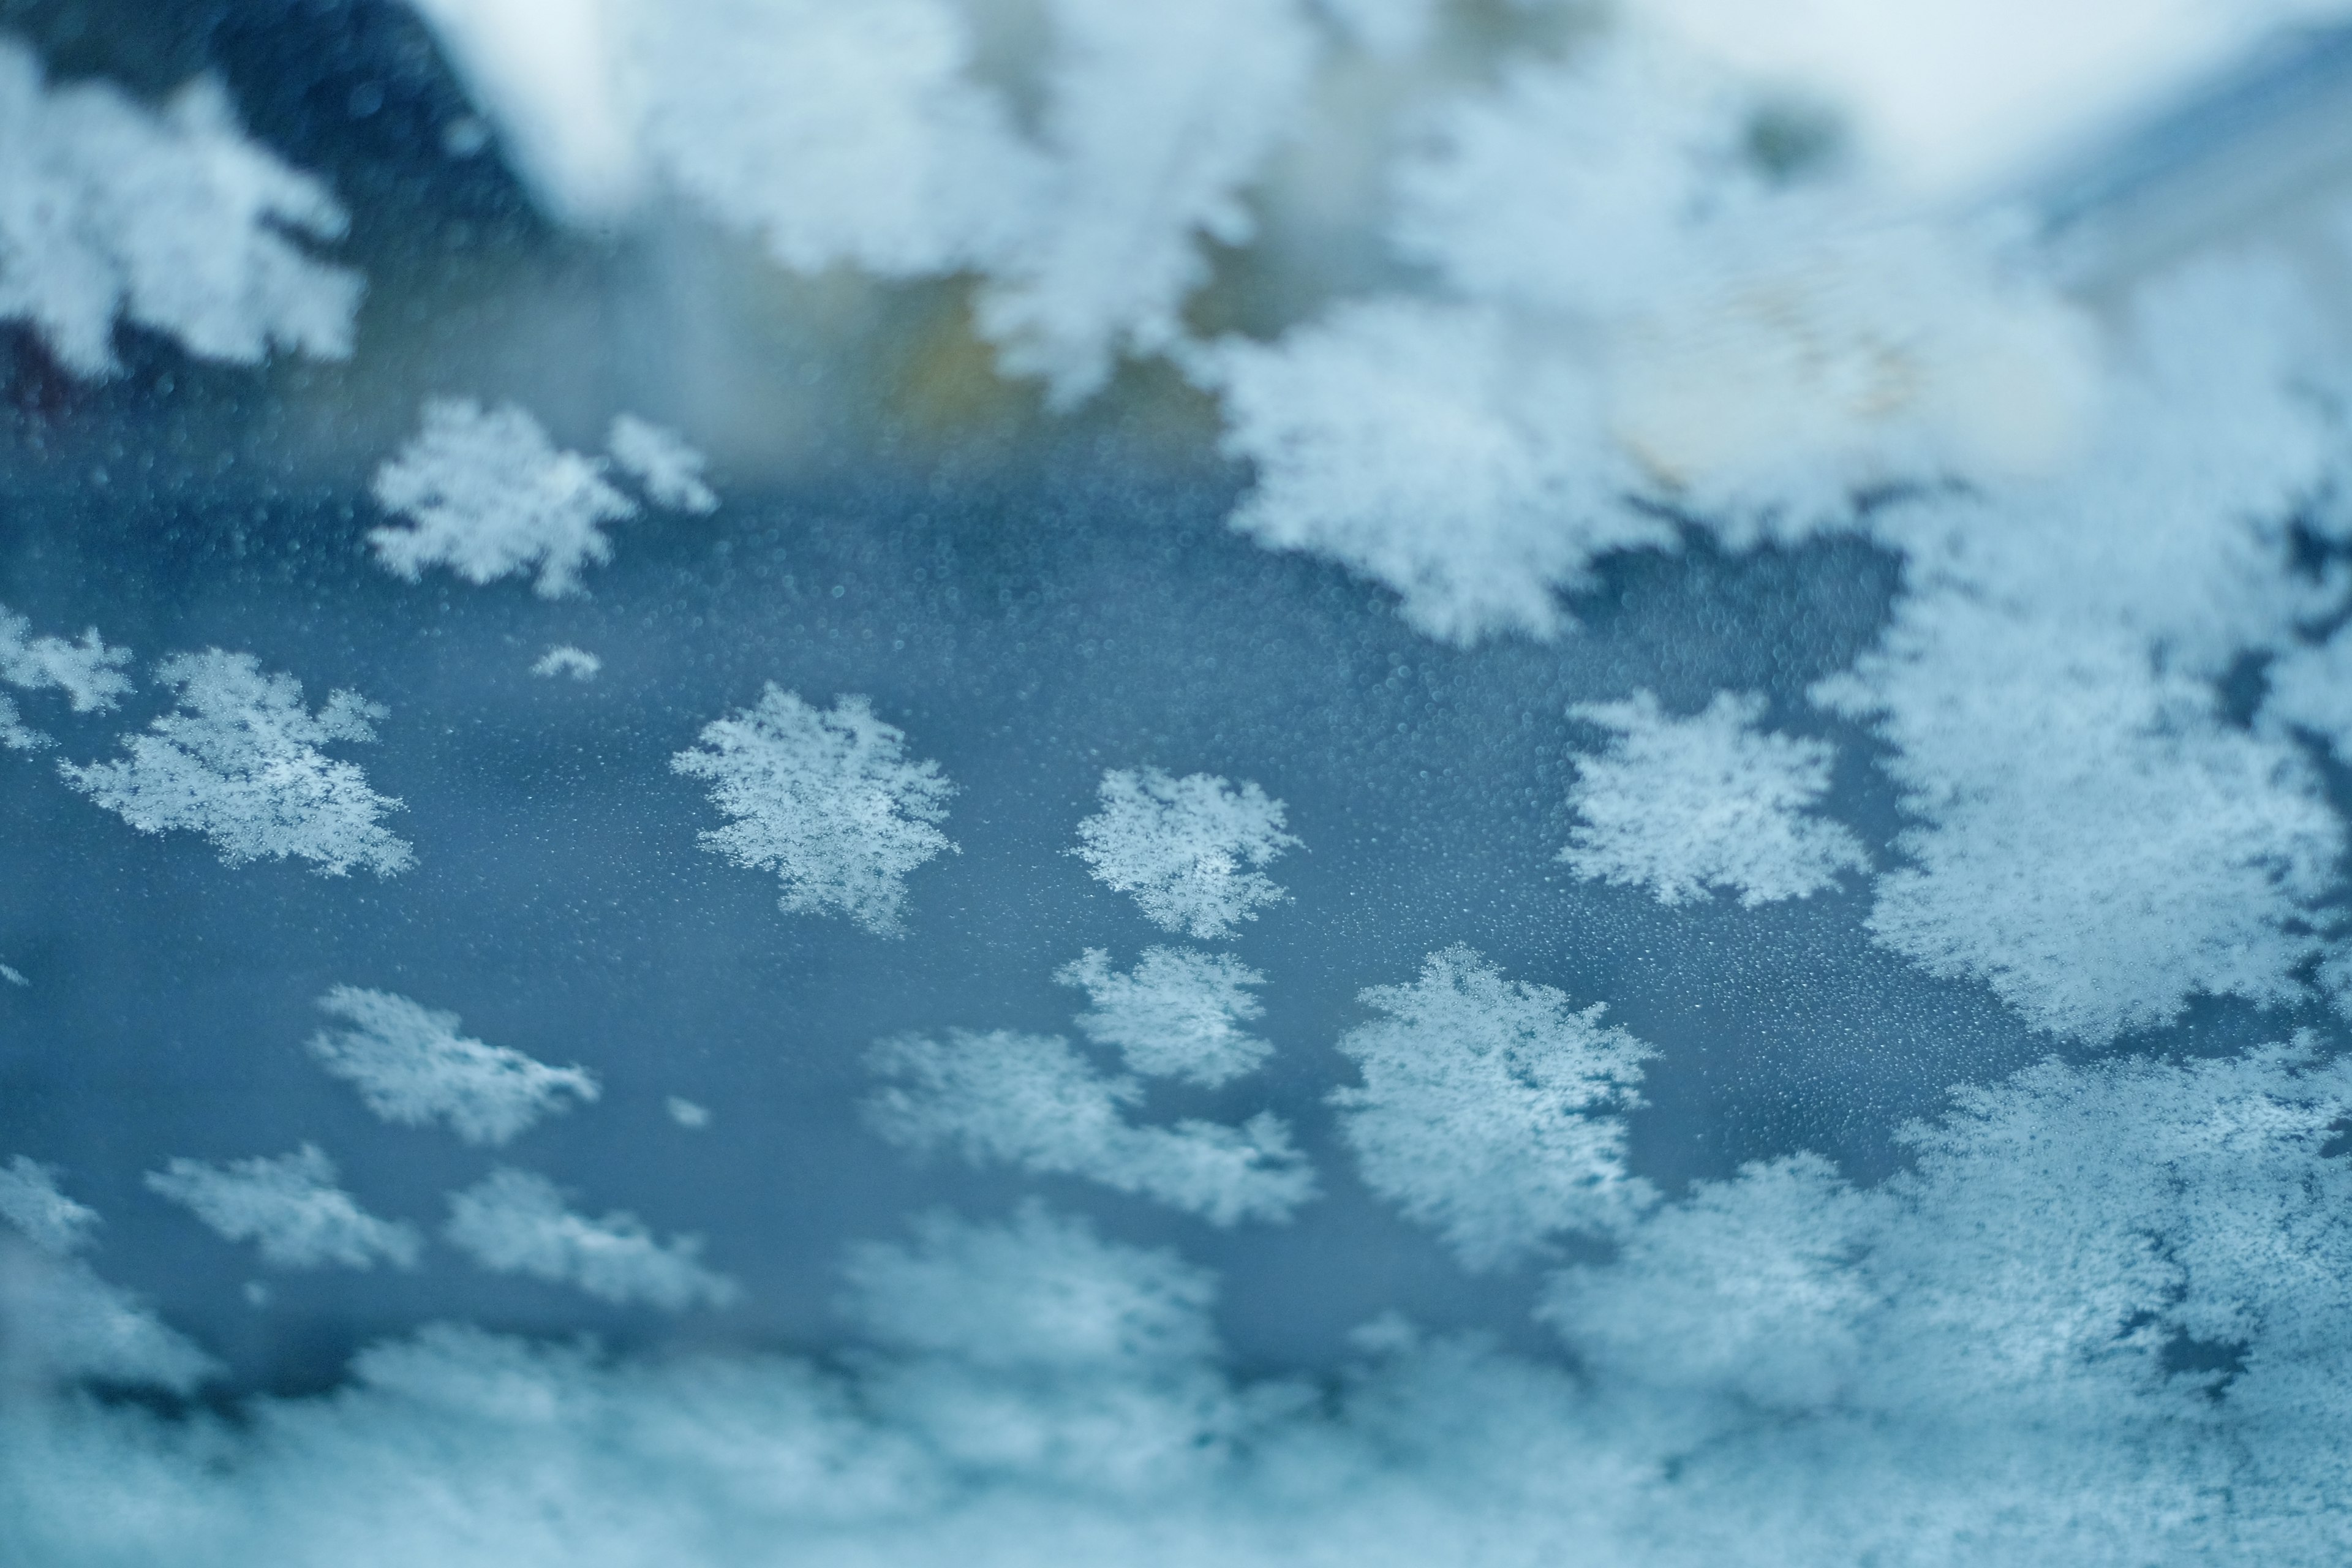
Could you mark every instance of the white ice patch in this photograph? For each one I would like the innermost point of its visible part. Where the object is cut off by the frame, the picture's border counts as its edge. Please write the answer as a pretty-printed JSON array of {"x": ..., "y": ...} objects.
[
  {"x": 564, "y": 660},
  {"x": 825, "y": 799},
  {"x": 30, "y": 1201},
  {"x": 487, "y": 495},
  {"x": 1181, "y": 846},
  {"x": 1681, "y": 805},
  {"x": 290, "y": 1207},
  {"x": 238, "y": 761},
  {"x": 661, "y": 462},
  {"x": 173, "y": 221},
  {"x": 1032, "y": 1101},
  {"x": 1491, "y": 1109},
  {"x": 88, "y": 671},
  {"x": 1177, "y": 1014},
  {"x": 687, "y": 1114},
  {"x": 513, "y": 1222},
  {"x": 13, "y": 976},
  {"x": 412, "y": 1067}
]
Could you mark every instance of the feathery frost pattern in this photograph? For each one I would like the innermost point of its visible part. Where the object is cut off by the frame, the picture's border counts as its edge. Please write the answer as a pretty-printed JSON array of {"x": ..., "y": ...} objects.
[
  {"x": 30, "y": 1201},
  {"x": 1681, "y": 805},
  {"x": 1030, "y": 1100},
  {"x": 89, "y": 672},
  {"x": 513, "y": 1222},
  {"x": 412, "y": 1067},
  {"x": 173, "y": 221},
  {"x": 1491, "y": 1109},
  {"x": 669, "y": 471},
  {"x": 1188, "y": 849},
  {"x": 289, "y": 1207},
  {"x": 238, "y": 761},
  {"x": 1177, "y": 1014},
  {"x": 825, "y": 798}
]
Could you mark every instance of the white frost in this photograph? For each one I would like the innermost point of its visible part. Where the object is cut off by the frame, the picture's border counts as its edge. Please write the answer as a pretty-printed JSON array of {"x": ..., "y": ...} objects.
[
  {"x": 88, "y": 671},
  {"x": 487, "y": 495},
  {"x": 513, "y": 1222},
  {"x": 412, "y": 1067},
  {"x": 1491, "y": 1109},
  {"x": 1030, "y": 1100},
  {"x": 238, "y": 761},
  {"x": 173, "y": 221},
  {"x": 30, "y": 1201},
  {"x": 1180, "y": 846},
  {"x": 1176, "y": 1014},
  {"x": 565, "y": 659},
  {"x": 290, "y": 1207},
  {"x": 1680, "y": 806},
  {"x": 661, "y": 461},
  {"x": 827, "y": 800}
]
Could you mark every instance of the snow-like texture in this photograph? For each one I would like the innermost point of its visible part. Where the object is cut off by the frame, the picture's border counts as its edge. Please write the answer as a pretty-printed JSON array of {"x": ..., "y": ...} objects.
[
  {"x": 1191, "y": 850},
  {"x": 487, "y": 495},
  {"x": 1681, "y": 805},
  {"x": 564, "y": 660},
  {"x": 669, "y": 469},
  {"x": 1044, "y": 1291},
  {"x": 514, "y": 1222},
  {"x": 88, "y": 671},
  {"x": 290, "y": 1207},
  {"x": 1491, "y": 1109},
  {"x": 238, "y": 761},
  {"x": 30, "y": 1201},
  {"x": 825, "y": 799},
  {"x": 1177, "y": 1014},
  {"x": 2096, "y": 840},
  {"x": 412, "y": 1067},
  {"x": 1031, "y": 1100},
  {"x": 171, "y": 221}
]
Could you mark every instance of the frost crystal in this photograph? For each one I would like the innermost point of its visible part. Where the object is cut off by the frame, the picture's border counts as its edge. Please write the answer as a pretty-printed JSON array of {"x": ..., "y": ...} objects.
[
  {"x": 30, "y": 1201},
  {"x": 1044, "y": 1291},
  {"x": 291, "y": 1207},
  {"x": 565, "y": 659},
  {"x": 1030, "y": 1100},
  {"x": 1488, "y": 1109},
  {"x": 488, "y": 496},
  {"x": 661, "y": 461},
  {"x": 825, "y": 800},
  {"x": 1175, "y": 1015},
  {"x": 171, "y": 221},
  {"x": 412, "y": 1067},
  {"x": 1679, "y": 805},
  {"x": 238, "y": 761},
  {"x": 513, "y": 1222},
  {"x": 89, "y": 672},
  {"x": 1180, "y": 845}
]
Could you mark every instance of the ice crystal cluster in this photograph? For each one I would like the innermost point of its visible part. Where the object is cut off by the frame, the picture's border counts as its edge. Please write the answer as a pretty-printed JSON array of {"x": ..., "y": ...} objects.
[{"x": 1813, "y": 1030}]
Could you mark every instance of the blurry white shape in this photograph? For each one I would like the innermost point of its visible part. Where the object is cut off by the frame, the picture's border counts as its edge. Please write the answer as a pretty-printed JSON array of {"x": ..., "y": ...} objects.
[
  {"x": 13, "y": 976},
  {"x": 1042, "y": 1290},
  {"x": 688, "y": 1114},
  {"x": 238, "y": 761},
  {"x": 412, "y": 1067},
  {"x": 837, "y": 133},
  {"x": 1680, "y": 806},
  {"x": 487, "y": 495},
  {"x": 173, "y": 221},
  {"x": 546, "y": 71},
  {"x": 88, "y": 671},
  {"x": 660, "y": 460},
  {"x": 1492, "y": 1110},
  {"x": 1032, "y": 1101},
  {"x": 513, "y": 1222},
  {"x": 30, "y": 1201},
  {"x": 1950, "y": 94},
  {"x": 565, "y": 659},
  {"x": 289, "y": 1207},
  {"x": 257, "y": 1294},
  {"x": 1176, "y": 1014},
  {"x": 825, "y": 799},
  {"x": 1180, "y": 845}
]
